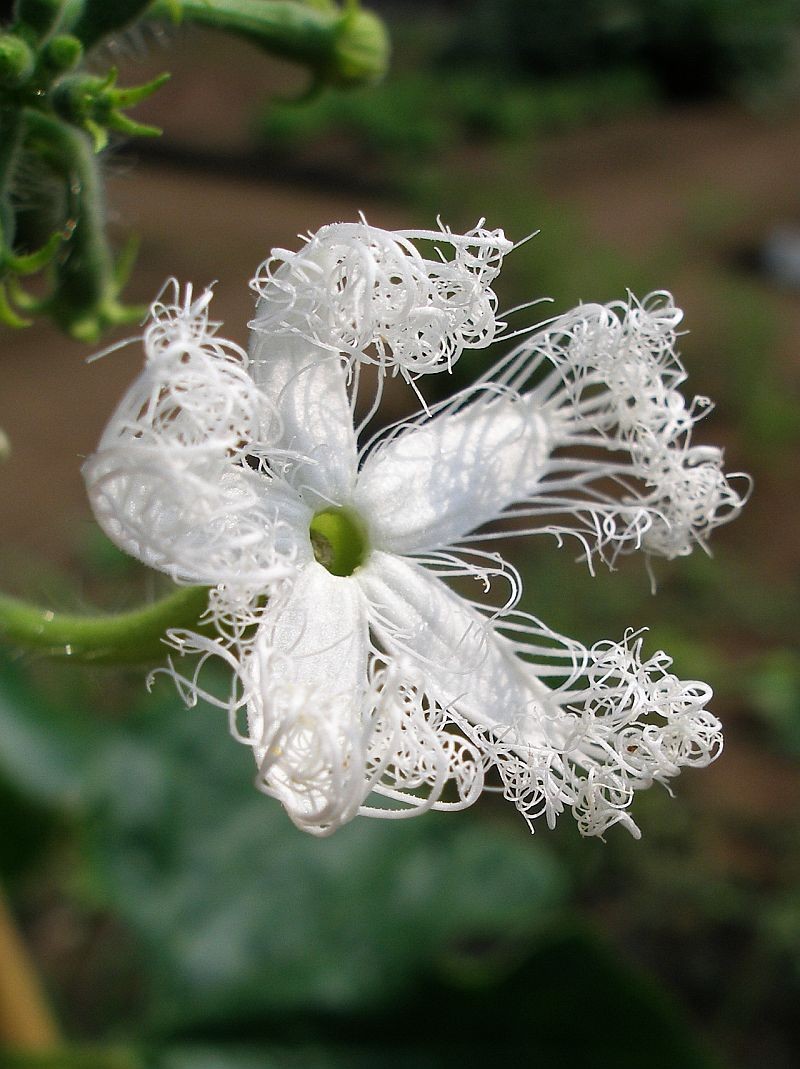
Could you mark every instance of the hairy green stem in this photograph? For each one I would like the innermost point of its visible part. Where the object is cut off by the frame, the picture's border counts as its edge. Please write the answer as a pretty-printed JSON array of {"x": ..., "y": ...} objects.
[
  {"x": 11, "y": 131},
  {"x": 85, "y": 298},
  {"x": 121, "y": 638},
  {"x": 10, "y": 141},
  {"x": 84, "y": 273}
]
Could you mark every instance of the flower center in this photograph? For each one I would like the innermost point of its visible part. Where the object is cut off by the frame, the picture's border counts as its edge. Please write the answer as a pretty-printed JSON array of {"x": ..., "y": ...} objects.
[{"x": 339, "y": 540}]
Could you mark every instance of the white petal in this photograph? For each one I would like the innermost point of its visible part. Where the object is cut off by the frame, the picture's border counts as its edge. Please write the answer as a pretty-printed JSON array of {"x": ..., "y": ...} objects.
[
  {"x": 169, "y": 482},
  {"x": 308, "y": 387},
  {"x": 464, "y": 661},
  {"x": 432, "y": 484},
  {"x": 305, "y": 686},
  {"x": 614, "y": 726},
  {"x": 320, "y": 631},
  {"x": 203, "y": 522}
]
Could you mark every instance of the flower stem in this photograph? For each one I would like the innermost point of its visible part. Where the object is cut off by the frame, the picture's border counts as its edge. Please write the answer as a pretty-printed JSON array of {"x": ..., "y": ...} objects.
[
  {"x": 122, "y": 638},
  {"x": 26, "y": 1022}
]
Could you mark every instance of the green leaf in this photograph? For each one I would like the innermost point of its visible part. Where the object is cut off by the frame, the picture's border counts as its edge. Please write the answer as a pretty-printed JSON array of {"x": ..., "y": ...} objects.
[
  {"x": 43, "y": 749},
  {"x": 245, "y": 915},
  {"x": 773, "y": 682},
  {"x": 573, "y": 1002},
  {"x": 42, "y": 756},
  {"x": 430, "y": 943}
]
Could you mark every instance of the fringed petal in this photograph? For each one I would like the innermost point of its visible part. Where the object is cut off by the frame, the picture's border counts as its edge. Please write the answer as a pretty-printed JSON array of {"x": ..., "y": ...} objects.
[
  {"x": 316, "y": 451},
  {"x": 430, "y": 484},
  {"x": 170, "y": 483},
  {"x": 370, "y": 295},
  {"x": 557, "y": 726},
  {"x": 305, "y": 689}
]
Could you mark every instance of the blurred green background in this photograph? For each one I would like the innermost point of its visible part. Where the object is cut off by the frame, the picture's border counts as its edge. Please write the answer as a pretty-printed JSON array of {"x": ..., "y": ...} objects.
[{"x": 176, "y": 917}]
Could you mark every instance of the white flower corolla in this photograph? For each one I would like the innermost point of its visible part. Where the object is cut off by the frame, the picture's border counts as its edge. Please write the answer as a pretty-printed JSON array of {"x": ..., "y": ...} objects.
[
  {"x": 368, "y": 681},
  {"x": 372, "y": 296}
]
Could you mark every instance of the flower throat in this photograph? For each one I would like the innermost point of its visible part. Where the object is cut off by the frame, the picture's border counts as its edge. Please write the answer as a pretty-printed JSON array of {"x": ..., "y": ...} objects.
[{"x": 339, "y": 540}]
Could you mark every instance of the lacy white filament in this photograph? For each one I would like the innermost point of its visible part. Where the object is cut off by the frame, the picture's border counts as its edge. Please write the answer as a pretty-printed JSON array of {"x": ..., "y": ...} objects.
[
  {"x": 371, "y": 295},
  {"x": 391, "y": 691}
]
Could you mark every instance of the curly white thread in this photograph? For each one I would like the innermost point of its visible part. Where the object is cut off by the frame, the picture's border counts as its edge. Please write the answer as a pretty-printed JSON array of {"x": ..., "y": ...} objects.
[{"x": 372, "y": 296}]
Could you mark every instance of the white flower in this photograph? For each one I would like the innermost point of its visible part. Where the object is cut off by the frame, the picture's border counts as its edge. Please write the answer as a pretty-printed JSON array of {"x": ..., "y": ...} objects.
[{"x": 365, "y": 682}]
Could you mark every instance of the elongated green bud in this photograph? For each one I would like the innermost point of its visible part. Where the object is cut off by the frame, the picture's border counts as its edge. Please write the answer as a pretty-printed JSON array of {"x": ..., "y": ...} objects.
[
  {"x": 342, "y": 47},
  {"x": 16, "y": 60},
  {"x": 361, "y": 51}
]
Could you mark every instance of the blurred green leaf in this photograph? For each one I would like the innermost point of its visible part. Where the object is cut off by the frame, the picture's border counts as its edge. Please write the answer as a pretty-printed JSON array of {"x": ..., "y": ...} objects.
[
  {"x": 246, "y": 915},
  {"x": 573, "y": 1002},
  {"x": 418, "y": 113},
  {"x": 42, "y": 756},
  {"x": 773, "y": 683},
  {"x": 43, "y": 749},
  {"x": 71, "y": 1058},
  {"x": 27, "y": 830},
  {"x": 387, "y": 944}
]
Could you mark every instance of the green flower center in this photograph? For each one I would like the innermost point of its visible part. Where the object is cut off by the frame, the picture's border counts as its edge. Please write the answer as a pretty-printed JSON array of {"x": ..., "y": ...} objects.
[{"x": 339, "y": 540}]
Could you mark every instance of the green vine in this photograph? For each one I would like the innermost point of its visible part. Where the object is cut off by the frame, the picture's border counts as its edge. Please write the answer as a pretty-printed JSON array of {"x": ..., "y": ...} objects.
[
  {"x": 121, "y": 638},
  {"x": 56, "y": 116}
]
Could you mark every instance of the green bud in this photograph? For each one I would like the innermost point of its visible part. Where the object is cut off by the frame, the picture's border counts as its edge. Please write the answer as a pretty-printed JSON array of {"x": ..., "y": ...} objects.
[
  {"x": 63, "y": 53},
  {"x": 16, "y": 60},
  {"x": 96, "y": 105},
  {"x": 73, "y": 98},
  {"x": 361, "y": 51}
]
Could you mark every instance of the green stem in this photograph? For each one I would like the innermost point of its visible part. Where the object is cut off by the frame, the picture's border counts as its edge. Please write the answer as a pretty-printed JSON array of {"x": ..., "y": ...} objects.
[
  {"x": 128, "y": 637},
  {"x": 84, "y": 301},
  {"x": 11, "y": 131},
  {"x": 343, "y": 47},
  {"x": 10, "y": 141},
  {"x": 88, "y": 266}
]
